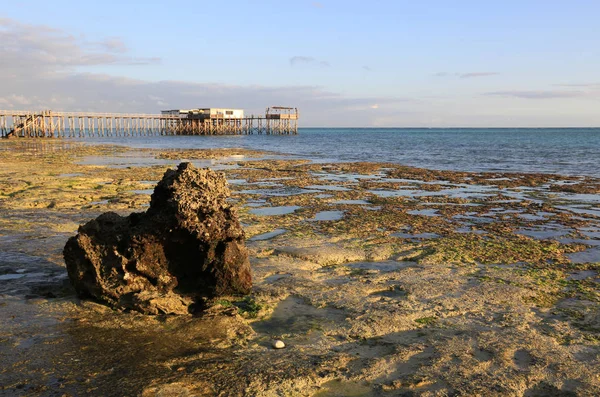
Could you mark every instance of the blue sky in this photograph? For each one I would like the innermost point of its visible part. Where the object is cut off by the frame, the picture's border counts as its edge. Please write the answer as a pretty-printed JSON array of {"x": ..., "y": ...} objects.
[{"x": 343, "y": 63}]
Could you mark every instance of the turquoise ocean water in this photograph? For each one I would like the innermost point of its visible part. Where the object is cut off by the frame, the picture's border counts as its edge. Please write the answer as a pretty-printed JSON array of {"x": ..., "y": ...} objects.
[{"x": 567, "y": 151}]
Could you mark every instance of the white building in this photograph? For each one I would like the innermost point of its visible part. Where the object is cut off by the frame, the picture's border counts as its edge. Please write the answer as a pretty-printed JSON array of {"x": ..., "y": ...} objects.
[{"x": 205, "y": 113}]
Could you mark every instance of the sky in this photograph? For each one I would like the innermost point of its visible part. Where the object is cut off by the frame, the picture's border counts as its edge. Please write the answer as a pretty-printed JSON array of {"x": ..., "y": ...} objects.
[{"x": 428, "y": 63}]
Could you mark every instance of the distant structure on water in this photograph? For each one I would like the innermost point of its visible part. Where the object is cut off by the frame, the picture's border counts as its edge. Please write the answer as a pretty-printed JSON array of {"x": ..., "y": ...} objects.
[
  {"x": 206, "y": 113},
  {"x": 277, "y": 120}
]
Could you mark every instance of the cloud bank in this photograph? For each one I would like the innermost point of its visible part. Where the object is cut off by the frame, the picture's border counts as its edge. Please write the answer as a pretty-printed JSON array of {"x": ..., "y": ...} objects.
[
  {"x": 44, "y": 68},
  {"x": 42, "y": 50}
]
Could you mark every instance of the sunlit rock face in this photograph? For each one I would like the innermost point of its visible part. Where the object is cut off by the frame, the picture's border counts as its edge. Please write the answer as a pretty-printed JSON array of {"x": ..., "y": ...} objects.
[{"x": 188, "y": 246}]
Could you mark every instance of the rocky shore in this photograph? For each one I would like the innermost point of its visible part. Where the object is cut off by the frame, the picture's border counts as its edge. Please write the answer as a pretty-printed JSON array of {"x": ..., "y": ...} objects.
[{"x": 380, "y": 279}]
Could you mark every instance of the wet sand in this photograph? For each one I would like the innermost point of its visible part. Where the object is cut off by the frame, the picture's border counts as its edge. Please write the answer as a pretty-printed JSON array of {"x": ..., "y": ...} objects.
[{"x": 381, "y": 279}]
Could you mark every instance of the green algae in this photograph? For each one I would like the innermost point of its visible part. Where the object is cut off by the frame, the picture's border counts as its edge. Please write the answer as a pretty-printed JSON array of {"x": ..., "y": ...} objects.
[
  {"x": 248, "y": 307},
  {"x": 426, "y": 320},
  {"x": 472, "y": 249}
]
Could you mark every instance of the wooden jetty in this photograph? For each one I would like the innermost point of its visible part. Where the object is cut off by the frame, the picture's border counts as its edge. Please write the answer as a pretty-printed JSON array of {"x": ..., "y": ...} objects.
[{"x": 48, "y": 124}]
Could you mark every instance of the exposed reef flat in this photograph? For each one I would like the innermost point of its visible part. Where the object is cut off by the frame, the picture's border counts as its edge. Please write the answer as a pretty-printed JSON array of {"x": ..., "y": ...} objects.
[{"x": 423, "y": 283}]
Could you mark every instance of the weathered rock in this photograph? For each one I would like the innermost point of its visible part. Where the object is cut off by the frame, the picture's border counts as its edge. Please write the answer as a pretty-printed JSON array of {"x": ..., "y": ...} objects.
[
  {"x": 278, "y": 344},
  {"x": 188, "y": 245}
]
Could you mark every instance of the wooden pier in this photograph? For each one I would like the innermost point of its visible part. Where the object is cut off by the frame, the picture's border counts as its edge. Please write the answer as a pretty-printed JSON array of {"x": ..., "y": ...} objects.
[{"x": 48, "y": 124}]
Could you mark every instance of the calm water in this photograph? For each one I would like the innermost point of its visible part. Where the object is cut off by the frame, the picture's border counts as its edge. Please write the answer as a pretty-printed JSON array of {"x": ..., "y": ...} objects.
[{"x": 568, "y": 151}]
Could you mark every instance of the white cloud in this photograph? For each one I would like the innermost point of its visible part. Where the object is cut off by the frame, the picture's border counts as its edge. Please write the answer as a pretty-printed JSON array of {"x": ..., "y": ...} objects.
[
  {"x": 471, "y": 75},
  {"x": 467, "y": 75},
  {"x": 299, "y": 59},
  {"x": 114, "y": 44},
  {"x": 539, "y": 94},
  {"x": 28, "y": 50},
  {"x": 305, "y": 60}
]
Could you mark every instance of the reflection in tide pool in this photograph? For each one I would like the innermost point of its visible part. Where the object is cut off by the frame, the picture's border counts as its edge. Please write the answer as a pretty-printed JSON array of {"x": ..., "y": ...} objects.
[
  {"x": 328, "y": 216},
  {"x": 269, "y": 235},
  {"x": 281, "y": 210}
]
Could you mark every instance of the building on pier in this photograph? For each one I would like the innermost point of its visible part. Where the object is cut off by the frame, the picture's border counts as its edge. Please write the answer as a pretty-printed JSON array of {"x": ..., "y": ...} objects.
[
  {"x": 209, "y": 120},
  {"x": 203, "y": 117},
  {"x": 206, "y": 114},
  {"x": 281, "y": 113},
  {"x": 181, "y": 113},
  {"x": 281, "y": 119}
]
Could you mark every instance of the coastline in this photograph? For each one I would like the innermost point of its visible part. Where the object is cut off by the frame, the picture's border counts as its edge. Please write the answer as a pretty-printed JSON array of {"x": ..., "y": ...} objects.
[{"x": 381, "y": 278}]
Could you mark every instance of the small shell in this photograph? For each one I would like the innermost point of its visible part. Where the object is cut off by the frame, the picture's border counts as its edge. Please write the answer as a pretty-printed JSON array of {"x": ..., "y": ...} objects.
[{"x": 278, "y": 344}]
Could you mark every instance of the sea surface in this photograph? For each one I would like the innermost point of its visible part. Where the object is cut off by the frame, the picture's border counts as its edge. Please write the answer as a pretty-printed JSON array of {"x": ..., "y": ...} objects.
[{"x": 566, "y": 151}]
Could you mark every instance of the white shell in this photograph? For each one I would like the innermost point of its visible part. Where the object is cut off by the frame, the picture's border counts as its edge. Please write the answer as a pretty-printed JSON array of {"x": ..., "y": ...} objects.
[{"x": 278, "y": 344}]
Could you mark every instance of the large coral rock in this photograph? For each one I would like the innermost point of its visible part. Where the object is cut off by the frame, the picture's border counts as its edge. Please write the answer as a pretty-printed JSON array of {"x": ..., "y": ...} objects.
[{"x": 189, "y": 245}]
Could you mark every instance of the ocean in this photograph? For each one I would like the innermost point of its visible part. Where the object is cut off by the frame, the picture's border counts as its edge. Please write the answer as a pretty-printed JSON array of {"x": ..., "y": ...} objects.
[{"x": 565, "y": 151}]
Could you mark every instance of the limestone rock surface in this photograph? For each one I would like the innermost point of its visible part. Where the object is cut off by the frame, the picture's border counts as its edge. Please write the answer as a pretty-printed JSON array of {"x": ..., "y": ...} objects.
[{"x": 189, "y": 245}]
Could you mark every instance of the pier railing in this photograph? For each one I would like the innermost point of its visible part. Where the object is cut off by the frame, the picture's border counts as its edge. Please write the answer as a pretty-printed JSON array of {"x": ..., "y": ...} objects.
[{"x": 50, "y": 124}]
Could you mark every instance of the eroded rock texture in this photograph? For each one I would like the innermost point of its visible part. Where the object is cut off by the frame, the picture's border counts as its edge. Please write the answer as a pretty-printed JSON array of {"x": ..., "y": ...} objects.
[{"x": 188, "y": 245}]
